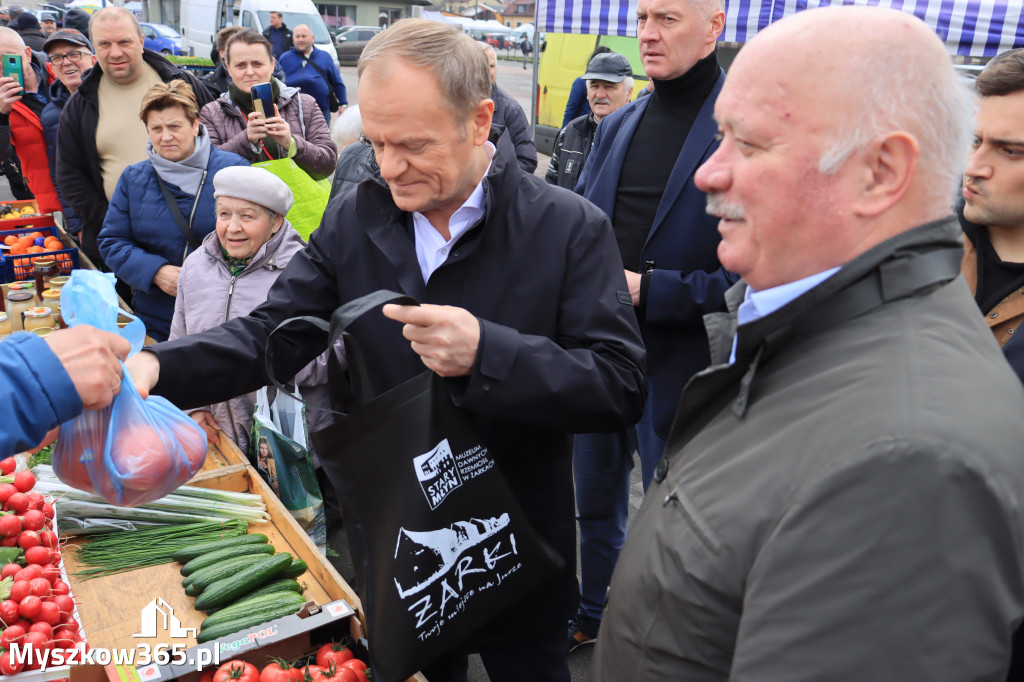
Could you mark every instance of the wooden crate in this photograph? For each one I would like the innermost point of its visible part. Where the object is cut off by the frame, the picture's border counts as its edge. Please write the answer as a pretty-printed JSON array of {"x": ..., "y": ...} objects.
[
  {"x": 220, "y": 456},
  {"x": 110, "y": 606}
]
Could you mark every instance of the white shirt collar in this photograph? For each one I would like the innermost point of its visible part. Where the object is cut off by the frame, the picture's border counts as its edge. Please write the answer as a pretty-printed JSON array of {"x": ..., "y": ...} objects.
[
  {"x": 758, "y": 304},
  {"x": 431, "y": 248}
]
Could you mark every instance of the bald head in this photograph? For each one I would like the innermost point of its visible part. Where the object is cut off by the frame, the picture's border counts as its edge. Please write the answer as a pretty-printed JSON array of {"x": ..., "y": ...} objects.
[
  {"x": 883, "y": 71},
  {"x": 11, "y": 42},
  {"x": 302, "y": 38},
  {"x": 842, "y": 127}
]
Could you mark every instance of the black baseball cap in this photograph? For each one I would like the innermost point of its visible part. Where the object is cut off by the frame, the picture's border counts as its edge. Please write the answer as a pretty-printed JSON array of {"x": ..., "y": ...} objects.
[
  {"x": 68, "y": 35},
  {"x": 608, "y": 66}
]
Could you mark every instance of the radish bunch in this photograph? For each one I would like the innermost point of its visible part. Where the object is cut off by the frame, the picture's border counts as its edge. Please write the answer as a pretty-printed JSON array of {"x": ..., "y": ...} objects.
[{"x": 36, "y": 608}]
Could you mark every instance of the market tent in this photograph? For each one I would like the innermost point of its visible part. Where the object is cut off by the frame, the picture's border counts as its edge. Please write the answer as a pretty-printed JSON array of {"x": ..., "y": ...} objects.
[{"x": 975, "y": 28}]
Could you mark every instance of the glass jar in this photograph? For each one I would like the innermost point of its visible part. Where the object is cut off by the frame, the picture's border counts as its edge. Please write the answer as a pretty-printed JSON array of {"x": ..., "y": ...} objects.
[
  {"x": 59, "y": 281},
  {"x": 43, "y": 331},
  {"x": 17, "y": 303},
  {"x": 51, "y": 299},
  {"x": 45, "y": 270},
  {"x": 5, "y": 326},
  {"x": 37, "y": 317},
  {"x": 30, "y": 287}
]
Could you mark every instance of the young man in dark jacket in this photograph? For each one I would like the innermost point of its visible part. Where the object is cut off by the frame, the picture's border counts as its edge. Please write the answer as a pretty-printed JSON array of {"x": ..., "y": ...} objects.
[
  {"x": 456, "y": 224},
  {"x": 278, "y": 34},
  {"x": 93, "y": 152},
  {"x": 609, "y": 85}
]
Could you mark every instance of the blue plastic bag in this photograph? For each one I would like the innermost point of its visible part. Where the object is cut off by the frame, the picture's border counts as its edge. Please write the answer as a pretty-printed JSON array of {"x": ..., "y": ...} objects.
[{"x": 133, "y": 451}]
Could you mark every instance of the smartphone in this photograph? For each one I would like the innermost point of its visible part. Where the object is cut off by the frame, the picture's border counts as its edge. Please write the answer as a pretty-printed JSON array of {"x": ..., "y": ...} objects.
[
  {"x": 12, "y": 68},
  {"x": 262, "y": 99}
]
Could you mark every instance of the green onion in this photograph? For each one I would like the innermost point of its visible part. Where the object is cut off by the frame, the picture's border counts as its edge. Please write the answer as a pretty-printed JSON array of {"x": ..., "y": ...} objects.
[{"x": 120, "y": 551}]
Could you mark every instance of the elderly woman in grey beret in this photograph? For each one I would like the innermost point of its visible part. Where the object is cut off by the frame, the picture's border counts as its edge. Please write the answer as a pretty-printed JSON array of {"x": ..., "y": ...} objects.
[{"x": 231, "y": 274}]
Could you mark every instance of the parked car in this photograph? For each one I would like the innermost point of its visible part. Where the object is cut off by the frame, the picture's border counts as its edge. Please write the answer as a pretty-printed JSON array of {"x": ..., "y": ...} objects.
[
  {"x": 351, "y": 40},
  {"x": 162, "y": 38}
]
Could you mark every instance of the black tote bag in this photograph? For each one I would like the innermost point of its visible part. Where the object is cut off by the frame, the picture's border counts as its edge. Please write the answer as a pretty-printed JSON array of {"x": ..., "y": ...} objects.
[{"x": 441, "y": 542}]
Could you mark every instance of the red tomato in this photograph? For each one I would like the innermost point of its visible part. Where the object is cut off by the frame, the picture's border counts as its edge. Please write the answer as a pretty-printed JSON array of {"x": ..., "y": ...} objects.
[
  {"x": 358, "y": 667},
  {"x": 280, "y": 671},
  {"x": 336, "y": 673},
  {"x": 207, "y": 676},
  {"x": 237, "y": 671},
  {"x": 140, "y": 454},
  {"x": 333, "y": 651}
]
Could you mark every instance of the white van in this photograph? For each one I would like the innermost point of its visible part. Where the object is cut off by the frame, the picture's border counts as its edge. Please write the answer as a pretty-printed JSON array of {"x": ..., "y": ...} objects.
[{"x": 201, "y": 19}]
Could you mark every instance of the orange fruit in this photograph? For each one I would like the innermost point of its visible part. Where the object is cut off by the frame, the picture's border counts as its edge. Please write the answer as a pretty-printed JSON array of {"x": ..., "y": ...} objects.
[
  {"x": 18, "y": 250},
  {"x": 35, "y": 249},
  {"x": 35, "y": 235},
  {"x": 10, "y": 240}
]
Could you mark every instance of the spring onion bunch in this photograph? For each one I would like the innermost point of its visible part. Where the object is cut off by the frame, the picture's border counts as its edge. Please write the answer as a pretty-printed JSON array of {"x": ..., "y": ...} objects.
[{"x": 120, "y": 551}]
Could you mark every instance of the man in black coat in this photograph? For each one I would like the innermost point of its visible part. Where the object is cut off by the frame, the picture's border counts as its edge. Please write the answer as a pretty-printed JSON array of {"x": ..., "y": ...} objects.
[
  {"x": 525, "y": 310},
  {"x": 87, "y": 173}
]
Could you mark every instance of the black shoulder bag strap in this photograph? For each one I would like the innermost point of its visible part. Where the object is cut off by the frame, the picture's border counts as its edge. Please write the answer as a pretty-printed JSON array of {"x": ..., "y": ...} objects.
[
  {"x": 351, "y": 387},
  {"x": 179, "y": 218},
  {"x": 335, "y": 102}
]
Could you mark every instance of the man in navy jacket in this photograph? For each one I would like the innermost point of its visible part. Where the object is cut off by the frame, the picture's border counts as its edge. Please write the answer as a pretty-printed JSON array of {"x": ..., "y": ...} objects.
[
  {"x": 640, "y": 173},
  {"x": 313, "y": 71}
]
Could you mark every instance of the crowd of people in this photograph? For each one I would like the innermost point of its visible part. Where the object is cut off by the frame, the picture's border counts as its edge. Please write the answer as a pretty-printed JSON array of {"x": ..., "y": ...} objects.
[{"x": 757, "y": 282}]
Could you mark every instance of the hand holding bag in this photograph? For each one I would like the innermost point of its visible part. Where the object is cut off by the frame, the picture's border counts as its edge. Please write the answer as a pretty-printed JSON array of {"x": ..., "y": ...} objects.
[{"x": 444, "y": 544}]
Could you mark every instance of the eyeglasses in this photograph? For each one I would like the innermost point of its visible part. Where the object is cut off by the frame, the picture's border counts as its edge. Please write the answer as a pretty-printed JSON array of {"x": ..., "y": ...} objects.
[{"x": 75, "y": 57}]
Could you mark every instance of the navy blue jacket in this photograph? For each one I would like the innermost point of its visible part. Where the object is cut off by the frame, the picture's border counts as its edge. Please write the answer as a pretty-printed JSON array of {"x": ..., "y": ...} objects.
[
  {"x": 686, "y": 281},
  {"x": 301, "y": 75},
  {"x": 36, "y": 393},
  {"x": 578, "y": 104},
  {"x": 50, "y": 118},
  {"x": 139, "y": 234}
]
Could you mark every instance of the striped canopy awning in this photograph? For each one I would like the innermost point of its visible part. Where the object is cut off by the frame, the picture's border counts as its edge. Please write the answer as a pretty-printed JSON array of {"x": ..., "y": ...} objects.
[{"x": 970, "y": 28}]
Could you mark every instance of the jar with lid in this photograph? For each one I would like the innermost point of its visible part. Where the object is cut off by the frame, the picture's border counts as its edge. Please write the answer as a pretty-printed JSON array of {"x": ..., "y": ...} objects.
[
  {"x": 17, "y": 303},
  {"x": 45, "y": 270},
  {"x": 30, "y": 287},
  {"x": 59, "y": 281},
  {"x": 37, "y": 317},
  {"x": 5, "y": 326},
  {"x": 51, "y": 299}
]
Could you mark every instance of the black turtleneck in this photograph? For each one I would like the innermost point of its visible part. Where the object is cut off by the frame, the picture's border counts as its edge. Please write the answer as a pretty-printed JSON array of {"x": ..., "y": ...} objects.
[{"x": 652, "y": 154}]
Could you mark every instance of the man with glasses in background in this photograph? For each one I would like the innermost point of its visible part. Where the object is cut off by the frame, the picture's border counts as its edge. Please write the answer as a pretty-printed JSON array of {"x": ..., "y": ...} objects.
[{"x": 70, "y": 55}]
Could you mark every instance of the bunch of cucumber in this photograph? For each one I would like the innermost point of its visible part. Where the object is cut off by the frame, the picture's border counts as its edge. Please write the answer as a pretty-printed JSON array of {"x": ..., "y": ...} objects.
[{"x": 241, "y": 582}]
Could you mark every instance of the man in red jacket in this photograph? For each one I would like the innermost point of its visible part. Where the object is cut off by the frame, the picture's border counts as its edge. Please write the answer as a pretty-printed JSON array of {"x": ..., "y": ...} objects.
[{"x": 20, "y": 127}]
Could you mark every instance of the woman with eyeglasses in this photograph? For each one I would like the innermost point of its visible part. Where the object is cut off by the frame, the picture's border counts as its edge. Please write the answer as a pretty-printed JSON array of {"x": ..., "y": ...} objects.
[
  {"x": 70, "y": 55},
  {"x": 162, "y": 208}
]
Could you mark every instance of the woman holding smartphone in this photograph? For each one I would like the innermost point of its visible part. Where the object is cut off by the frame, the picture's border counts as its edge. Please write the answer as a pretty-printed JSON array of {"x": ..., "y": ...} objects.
[{"x": 295, "y": 128}]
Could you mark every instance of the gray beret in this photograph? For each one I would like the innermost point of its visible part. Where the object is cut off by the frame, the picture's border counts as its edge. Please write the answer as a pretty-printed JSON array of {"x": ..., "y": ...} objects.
[{"x": 254, "y": 184}]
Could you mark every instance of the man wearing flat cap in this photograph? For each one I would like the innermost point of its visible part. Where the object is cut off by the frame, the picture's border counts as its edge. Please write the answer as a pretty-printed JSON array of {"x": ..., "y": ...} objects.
[
  {"x": 48, "y": 22},
  {"x": 609, "y": 79},
  {"x": 70, "y": 55},
  {"x": 524, "y": 311}
]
